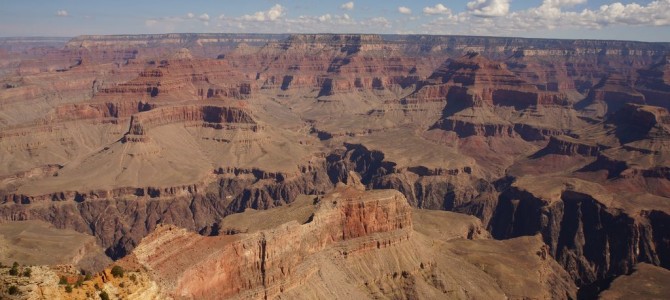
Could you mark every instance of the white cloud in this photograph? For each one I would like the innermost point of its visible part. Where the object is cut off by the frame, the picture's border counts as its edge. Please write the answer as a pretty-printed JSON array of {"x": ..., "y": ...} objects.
[
  {"x": 559, "y": 15},
  {"x": 324, "y": 18},
  {"x": 552, "y": 15},
  {"x": 272, "y": 14},
  {"x": 404, "y": 10},
  {"x": 438, "y": 9},
  {"x": 490, "y": 8},
  {"x": 562, "y": 3},
  {"x": 377, "y": 22},
  {"x": 62, "y": 13},
  {"x": 348, "y": 6}
]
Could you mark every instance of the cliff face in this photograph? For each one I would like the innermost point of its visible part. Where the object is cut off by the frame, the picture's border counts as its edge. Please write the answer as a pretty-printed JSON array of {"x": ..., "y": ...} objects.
[
  {"x": 591, "y": 240},
  {"x": 368, "y": 231},
  {"x": 268, "y": 260}
]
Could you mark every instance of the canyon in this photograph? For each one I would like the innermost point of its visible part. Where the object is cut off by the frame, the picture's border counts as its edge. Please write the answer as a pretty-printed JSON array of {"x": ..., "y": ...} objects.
[{"x": 332, "y": 165}]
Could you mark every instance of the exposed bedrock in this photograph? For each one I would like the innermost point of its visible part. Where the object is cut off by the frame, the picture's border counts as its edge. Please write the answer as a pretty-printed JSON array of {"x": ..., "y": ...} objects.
[
  {"x": 364, "y": 244},
  {"x": 122, "y": 216},
  {"x": 139, "y": 123},
  {"x": 466, "y": 128},
  {"x": 430, "y": 188},
  {"x": 564, "y": 145},
  {"x": 591, "y": 241},
  {"x": 119, "y": 218},
  {"x": 268, "y": 262},
  {"x": 101, "y": 110},
  {"x": 257, "y": 189}
]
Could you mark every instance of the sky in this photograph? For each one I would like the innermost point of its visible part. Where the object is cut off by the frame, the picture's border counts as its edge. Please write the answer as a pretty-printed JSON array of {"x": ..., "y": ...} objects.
[{"x": 643, "y": 20}]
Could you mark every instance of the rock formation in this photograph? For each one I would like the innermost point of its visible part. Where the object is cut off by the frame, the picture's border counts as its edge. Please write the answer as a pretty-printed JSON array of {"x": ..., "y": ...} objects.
[{"x": 348, "y": 242}]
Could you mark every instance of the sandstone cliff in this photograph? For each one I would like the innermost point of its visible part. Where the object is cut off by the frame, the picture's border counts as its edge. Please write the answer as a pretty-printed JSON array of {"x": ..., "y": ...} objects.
[{"x": 348, "y": 243}]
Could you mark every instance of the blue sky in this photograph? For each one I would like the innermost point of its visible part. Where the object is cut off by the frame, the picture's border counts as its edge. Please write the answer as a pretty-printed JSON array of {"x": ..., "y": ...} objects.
[{"x": 644, "y": 20}]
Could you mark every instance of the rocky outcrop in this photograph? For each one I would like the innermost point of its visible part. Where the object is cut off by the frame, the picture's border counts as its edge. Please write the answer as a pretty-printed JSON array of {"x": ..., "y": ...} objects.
[
  {"x": 565, "y": 145},
  {"x": 269, "y": 262},
  {"x": 229, "y": 116},
  {"x": 120, "y": 217},
  {"x": 38, "y": 243},
  {"x": 352, "y": 242},
  {"x": 646, "y": 281},
  {"x": 181, "y": 75},
  {"x": 429, "y": 188},
  {"x": 100, "y": 111},
  {"x": 484, "y": 98},
  {"x": 590, "y": 240}
]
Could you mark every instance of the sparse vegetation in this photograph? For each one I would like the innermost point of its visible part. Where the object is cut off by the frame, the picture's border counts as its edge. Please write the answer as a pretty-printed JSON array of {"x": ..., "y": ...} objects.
[
  {"x": 97, "y": 287},
  {"x": 63, "y": 280},
  {"x": 13, "y": 290},
  {"x": 14, "y": 271},
  {"x": 87, "y": 277},
  {"x": 27, "y": 272},
  {"x": 117, "y": 271},
  {"x": 80, "y": 281},
  {"x": 133, "y": 278},
  {"x": 103, "y": 295},
  {"x": 122, "y": 285},
  {"x": 68, "y": 288}
]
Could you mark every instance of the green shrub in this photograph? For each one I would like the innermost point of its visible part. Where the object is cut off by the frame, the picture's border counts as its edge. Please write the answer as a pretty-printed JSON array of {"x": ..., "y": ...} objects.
[
  {"x": 13, "y": 290},
  {"x": 103, "y": 296},
  {"x": 117, "y": 271},
  {"x": 27, "y": 272},
  {"x": 14, "y": 271},
  {"x": 68, "y": 288}
]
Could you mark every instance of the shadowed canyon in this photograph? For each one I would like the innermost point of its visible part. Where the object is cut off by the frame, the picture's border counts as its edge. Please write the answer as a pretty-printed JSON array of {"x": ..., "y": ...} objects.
[{"x": 322, "y": 166}]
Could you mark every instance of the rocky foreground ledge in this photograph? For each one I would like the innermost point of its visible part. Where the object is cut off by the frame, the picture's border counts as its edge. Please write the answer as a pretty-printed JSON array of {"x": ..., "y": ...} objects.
[{"x": 348, "y": 244}]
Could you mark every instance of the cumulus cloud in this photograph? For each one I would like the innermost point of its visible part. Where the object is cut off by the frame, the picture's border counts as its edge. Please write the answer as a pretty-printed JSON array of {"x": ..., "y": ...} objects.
[
  {"x": 490, "y": 8},
  {"x": 404, "y": 10},
  {"x": 272, "y": 14},
  {"x": 485, "y": 17},
  {"x": 348, "y": 6},
  {"x": 378, "y": 21},
  {"x": 438, "y": 9},
  {"x": 61, "y": 13},
  {"x": 550, "y": 15},
  {"x": 562, "y": 3}
]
